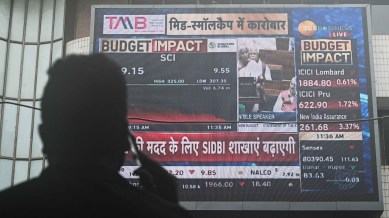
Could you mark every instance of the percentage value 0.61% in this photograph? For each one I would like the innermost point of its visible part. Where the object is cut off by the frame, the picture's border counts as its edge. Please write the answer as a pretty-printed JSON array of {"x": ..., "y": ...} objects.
[
  {"x": 346, "y": 82},
  {"x": 348, "y": 104}
]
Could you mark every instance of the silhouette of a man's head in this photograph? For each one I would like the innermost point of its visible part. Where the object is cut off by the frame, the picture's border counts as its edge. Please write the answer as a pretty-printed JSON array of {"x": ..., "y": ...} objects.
[{"x": 84, "y": 111}]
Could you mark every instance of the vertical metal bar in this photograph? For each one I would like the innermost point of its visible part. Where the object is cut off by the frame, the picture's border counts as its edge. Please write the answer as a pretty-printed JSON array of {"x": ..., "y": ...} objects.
[
  {"x": 19, "y": 92},
  {"x": 35, "y": 87},
  {"x": 63, "y": 30},
  {"x": 6, "y": 70},
  {"x": 52, "y": 34},
  {"x": 51, "y": 52}
]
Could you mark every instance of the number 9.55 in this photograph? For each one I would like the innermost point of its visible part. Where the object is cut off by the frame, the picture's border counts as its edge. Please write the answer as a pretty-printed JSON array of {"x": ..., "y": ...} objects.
[{"x": 221, "y": 70}]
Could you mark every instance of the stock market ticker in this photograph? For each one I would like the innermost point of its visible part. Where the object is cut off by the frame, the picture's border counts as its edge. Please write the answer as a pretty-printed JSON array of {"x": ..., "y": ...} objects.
[
  {"x": 330, "y": 131},
  {"x": 220, "y": 152},
  {"x": 249, "y": 103}
]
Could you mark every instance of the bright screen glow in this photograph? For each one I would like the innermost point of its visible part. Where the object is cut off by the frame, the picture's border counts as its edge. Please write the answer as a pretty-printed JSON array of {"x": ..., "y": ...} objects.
[{"x": 249, "y": 104}]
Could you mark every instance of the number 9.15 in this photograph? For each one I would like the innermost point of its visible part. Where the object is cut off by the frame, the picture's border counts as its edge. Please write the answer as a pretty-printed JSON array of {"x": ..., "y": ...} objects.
[{"x": 132, "y": 71}]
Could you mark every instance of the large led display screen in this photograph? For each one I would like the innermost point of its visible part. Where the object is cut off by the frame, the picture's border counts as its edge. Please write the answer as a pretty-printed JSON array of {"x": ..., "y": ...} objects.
[{"x": 248, "y": 104}]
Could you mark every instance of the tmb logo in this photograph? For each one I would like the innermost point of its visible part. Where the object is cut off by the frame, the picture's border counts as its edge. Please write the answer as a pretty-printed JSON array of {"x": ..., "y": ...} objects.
[
  {"x": 126, "y": 23},
  {"x": 134, "y": 24}
]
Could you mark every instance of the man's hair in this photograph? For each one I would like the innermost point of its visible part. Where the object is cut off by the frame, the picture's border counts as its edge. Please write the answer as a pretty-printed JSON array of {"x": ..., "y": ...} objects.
[
  {"x": 84, "y": 107},
  {"x": 243, "y": 55}
]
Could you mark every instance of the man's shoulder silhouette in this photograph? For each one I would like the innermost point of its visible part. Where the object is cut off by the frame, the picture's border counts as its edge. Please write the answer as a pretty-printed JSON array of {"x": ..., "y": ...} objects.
[
  {"x": 85, "y": 136},
  {"x": 106, "y": 194}
]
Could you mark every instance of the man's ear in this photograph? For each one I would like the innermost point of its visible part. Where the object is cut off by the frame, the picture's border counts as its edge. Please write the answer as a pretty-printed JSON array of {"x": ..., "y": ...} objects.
[{"x": 43, "y": 135}]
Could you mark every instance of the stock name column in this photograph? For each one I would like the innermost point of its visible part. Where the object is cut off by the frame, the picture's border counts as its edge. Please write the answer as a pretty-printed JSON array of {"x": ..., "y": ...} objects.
[{"x": 328, "y": 100}]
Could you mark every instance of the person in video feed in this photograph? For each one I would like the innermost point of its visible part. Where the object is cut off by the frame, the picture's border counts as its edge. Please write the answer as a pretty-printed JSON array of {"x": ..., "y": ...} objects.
[
  {"x": 286, "y": 101},
  {"x": 249, "y": 67}
]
